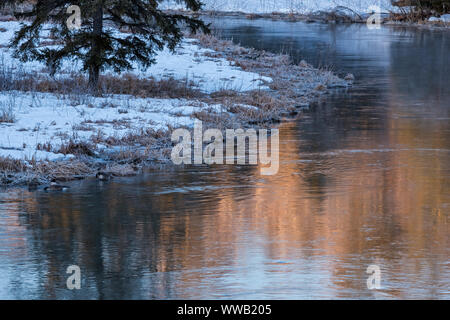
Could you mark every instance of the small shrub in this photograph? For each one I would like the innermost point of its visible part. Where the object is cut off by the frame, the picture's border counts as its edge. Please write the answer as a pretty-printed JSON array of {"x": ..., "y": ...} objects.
[{"x": 77, "y": 148}]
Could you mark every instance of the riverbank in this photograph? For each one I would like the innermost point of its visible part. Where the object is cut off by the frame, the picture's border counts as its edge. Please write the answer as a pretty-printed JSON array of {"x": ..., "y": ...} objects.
[
  {"x": 51, "y": 129},
  {"x": 340, "y": 14},
  {"x": 432, "y": 24}
]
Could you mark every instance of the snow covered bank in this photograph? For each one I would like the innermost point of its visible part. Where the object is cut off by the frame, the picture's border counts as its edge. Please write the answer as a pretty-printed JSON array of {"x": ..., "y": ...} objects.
[
  {"x": 48, "y": 131},
  {"x": 445, "y": 18},
  {"x": 286, "y": 6},
  {"x": 43, "y": 122}
]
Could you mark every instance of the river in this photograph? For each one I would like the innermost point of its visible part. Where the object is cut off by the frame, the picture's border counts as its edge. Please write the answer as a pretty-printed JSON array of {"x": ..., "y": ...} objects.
[{"x": 364, "y": 180}]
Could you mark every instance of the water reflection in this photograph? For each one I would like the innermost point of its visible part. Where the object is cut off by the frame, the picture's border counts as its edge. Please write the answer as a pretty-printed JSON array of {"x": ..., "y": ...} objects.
[{"x": 364, "y": 179}]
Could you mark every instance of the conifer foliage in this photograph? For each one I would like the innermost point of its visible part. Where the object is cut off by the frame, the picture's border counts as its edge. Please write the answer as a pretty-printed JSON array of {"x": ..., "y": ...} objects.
[{"x": 97, "y": 43}]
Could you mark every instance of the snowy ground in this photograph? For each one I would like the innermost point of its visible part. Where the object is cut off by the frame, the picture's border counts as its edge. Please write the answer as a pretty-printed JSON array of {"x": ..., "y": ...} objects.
[
  {"x": 297, "y": 6},
  {"x": 188, "y": 62},
  {"x": 445, "y": 18},
  {"x": 44, "y": 121}
]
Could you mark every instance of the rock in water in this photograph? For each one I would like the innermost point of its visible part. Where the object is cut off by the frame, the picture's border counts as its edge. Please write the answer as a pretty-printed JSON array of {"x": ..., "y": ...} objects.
[{"x": 349, "y": 77}]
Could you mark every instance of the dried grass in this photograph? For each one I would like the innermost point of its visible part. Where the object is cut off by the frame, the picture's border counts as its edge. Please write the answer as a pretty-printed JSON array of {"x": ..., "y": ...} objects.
[
  {"x": 80, "y": 148},
  {"x": 128, "y": 84},
  {"x": 12, "y": 165}
]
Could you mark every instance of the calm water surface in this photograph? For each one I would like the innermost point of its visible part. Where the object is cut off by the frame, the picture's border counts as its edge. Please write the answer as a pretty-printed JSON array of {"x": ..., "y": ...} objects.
[{"x": 364, "y": 179}]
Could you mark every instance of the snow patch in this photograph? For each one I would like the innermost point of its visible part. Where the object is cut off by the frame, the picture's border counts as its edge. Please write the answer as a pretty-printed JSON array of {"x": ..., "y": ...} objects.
[{"x": 444, "y": 18}]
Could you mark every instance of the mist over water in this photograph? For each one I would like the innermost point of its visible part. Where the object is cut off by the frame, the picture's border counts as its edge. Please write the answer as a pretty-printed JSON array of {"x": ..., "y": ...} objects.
[{"x": 364, "y": 179}]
